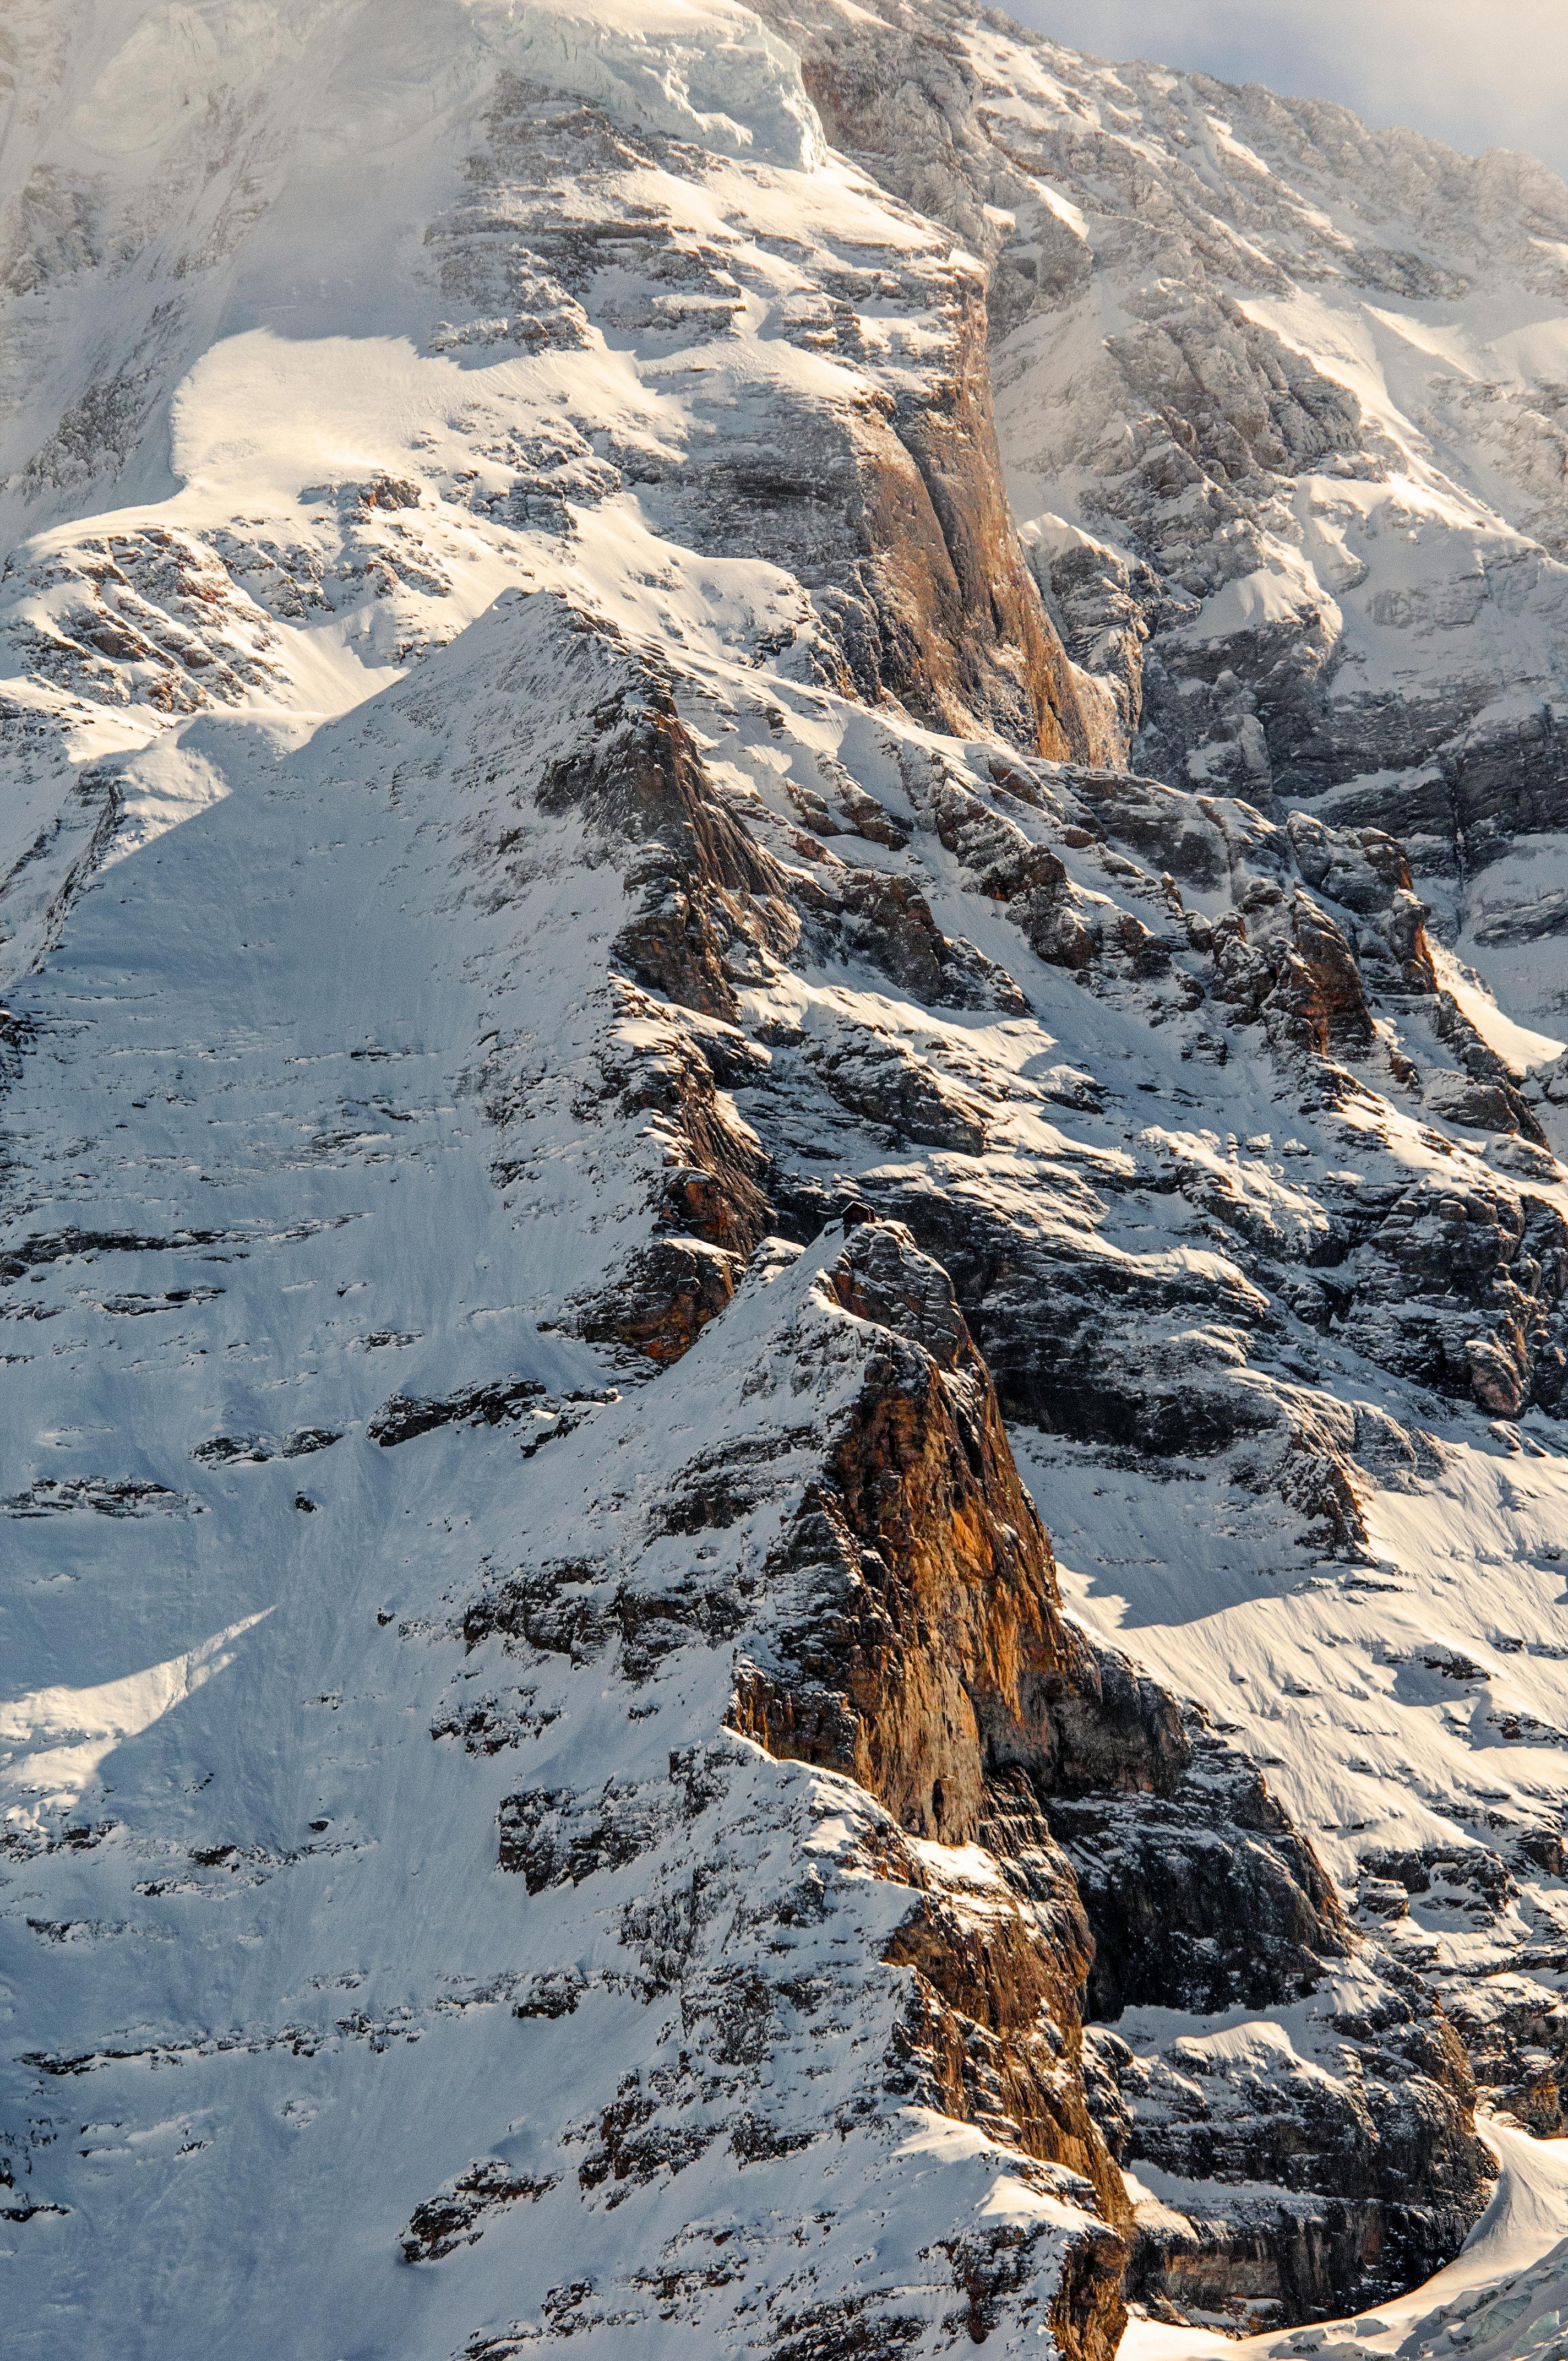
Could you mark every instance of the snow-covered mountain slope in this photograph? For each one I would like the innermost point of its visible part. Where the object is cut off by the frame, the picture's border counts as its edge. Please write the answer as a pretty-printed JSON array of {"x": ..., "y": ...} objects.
[
  {"x": 319, "y": 473},
  {"x": 1282, "y": 402},
  {"x": 555, "y": 1785}
]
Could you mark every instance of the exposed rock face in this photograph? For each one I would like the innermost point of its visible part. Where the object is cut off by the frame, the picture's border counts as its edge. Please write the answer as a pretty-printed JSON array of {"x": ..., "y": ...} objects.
[
  {"x": 1200, "y": 1893},
  {"x": 1221, "y": 521},
  {"x": 887, "y": 504},
  {"x": 819, "y": 1546},
  {"x": 1384, "y": 2155},
  {"x": 938, "y": 1670},
  {"x": 930, "y": 1631}
]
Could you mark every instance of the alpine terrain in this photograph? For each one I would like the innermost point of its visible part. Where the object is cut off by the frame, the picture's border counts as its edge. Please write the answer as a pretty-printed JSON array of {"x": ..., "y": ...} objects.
[{"x": 884, "y": 712}]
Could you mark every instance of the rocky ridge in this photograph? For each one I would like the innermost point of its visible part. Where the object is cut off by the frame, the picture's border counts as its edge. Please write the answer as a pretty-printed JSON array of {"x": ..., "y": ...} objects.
[
  {"x": 627, "y": 1799},
  {"x": 1280, "y": 399}
]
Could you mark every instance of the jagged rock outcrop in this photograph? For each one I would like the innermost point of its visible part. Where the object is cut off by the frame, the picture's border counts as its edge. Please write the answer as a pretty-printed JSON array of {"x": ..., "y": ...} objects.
[
  {"x": 1313, "y": 2170},
  {"x": 887, "y": 504},
  {"x": 1188, "y": 1888},
  {"x": 792, "y": 1384},
  {"x": 930, "y": 1632},
  {"x": 1220, "y": 509}
]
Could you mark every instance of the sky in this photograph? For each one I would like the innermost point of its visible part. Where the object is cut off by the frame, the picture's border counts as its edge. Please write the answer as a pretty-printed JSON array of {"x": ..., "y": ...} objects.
[{"x": 1479, "y": 74}]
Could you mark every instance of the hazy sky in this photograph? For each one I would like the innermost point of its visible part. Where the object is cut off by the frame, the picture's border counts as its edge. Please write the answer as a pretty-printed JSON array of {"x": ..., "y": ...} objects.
[{"x": 1480, "y": 73}]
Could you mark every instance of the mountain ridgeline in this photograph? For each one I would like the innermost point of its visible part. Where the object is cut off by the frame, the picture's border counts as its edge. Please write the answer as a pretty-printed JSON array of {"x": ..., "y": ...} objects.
[{"x": 784, "y": 1306}]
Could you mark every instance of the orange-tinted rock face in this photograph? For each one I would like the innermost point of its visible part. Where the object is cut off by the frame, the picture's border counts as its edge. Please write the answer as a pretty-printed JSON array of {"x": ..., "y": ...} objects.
[
  {"x": 704, "y": 895},
  {"x": 928, "y": 1659},
  {"x": 932, "y": 1642},
  {"x": 931, "y": 1603},
  {"x": 967, "y": 641},
  {"x": 666, "y": 1297},
  {"x": 965, "y": 637}
]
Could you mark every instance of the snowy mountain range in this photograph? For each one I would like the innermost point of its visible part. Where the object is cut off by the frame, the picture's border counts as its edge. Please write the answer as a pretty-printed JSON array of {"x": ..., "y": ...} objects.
[{"x": 879, "y": 708}]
